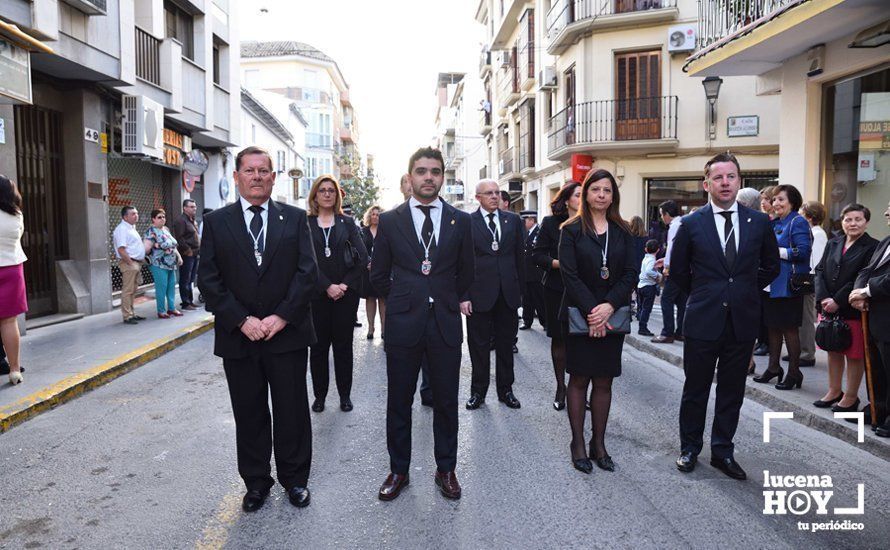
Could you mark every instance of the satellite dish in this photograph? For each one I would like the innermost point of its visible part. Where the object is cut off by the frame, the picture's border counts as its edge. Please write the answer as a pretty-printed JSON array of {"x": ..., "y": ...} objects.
[{"x": 196, "y": 162}]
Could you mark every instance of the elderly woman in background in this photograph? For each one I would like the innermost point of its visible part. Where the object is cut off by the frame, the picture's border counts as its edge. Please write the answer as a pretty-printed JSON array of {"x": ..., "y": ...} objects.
[
  {"x": 845, "y": 256},
  {"x": 814, "y": 213},
  {"x": 160, "y": 250},
  {"x": 784, "y": 310},
  {"x": 373, "y": 300},
  {"x": 13, "y": 298},
  {"x": 766, "y": 206}
]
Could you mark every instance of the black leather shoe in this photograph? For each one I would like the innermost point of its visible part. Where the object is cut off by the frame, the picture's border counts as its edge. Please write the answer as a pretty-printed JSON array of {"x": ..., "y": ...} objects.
[
  {"x": 131, "y": 321},
  {"x": 729, "y": 467},
  {"x": 687, "y": 461},
  {"x": 583, "y": 465},
  {"x": 393, "y": 486},
  {"x": 510, "y": 400},
  {"x": 318, "y": 405},
  {"x": 515, "y": 349},
  {"x": 475, "y": 401},
  {"x": 882, "y": 431},
  {"x": 605, "y": 463},
  {"x": 525, "y": 327},
  {"x": 298, "y": 496},
  {"x": 819, "y": 404},
  {"x": 852, "y": 408},
  {"x": 762, "y": 350},
  {"x": 138, "y": 317},
  {"x": 767, "y": 376},
  {"x": 254, "y": 500},
  {"x": 345, "y": 405}
]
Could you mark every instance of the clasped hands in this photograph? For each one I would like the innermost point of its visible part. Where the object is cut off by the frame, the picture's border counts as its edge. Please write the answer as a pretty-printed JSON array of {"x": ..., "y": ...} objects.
[
  {"x": 262, "y": 329},
  {"x": 859, "y": 299},
  {"x": 335, "y": 292},
  {"x": 598, "y": 320}
]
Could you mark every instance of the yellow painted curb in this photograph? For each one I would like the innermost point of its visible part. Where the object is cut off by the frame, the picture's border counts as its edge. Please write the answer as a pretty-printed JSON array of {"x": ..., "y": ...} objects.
[{"x": 82, "y": 382}]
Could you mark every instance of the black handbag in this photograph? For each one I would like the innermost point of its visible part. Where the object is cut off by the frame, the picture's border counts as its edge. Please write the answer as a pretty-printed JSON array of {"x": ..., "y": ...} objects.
[
  {"x": 619, "y": 321},
  {"x": 833, "y": 333},
  {"x": 350, "y": 256}
]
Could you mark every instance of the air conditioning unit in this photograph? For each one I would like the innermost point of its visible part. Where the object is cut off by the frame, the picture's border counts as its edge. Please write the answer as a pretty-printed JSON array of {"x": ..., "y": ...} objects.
[
  {"x": 681, "y": 38},
  {"x": 506, "y": 59},
  {"x": 143, "y": 127},
  {"x": 547, "y": 79}
]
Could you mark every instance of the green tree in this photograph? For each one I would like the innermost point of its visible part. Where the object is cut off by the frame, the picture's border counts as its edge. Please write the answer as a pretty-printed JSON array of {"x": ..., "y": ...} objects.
[{"x": 361, "y": 187}]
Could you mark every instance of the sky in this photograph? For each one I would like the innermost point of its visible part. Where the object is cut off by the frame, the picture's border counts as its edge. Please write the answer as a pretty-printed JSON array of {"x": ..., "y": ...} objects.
[{"x": 390, "y": 53}]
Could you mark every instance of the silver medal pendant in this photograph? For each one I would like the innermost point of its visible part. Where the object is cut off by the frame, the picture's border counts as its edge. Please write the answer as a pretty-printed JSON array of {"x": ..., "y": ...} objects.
[
  {"x": 327, "y": 252},
  {"x": 259, "y": 256},
  {"x": 495, "y": 245},
  {"x": 426, "y": 267},
  {"x": 604, "y": 272}
]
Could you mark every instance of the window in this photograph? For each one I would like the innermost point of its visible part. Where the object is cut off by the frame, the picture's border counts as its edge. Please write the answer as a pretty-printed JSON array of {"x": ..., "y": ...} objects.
[
  {"x": 637, "y": 95},
  {"x": 253, "y": 133},
  {"x": 217, "y": 78},
  {"x": 281, "y": 157},
  {"x": 180, "y": 26}
]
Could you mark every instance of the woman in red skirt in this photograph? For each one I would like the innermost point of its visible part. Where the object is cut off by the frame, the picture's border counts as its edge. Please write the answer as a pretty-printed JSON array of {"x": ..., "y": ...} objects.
[{"x": 12, "y": 278}]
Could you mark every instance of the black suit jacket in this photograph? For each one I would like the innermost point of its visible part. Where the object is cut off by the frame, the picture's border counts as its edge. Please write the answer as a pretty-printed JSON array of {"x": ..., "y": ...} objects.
[
  {"x": 343, "y": 231},
  {"x": 234, "y": 286},
  {"x": 837, "y": 271},
  {"x": 580, "y": 260},
  {"x": 876, "y": 275},
  {"x": 497, "y": 271},
  {"x": 533, "y": 273},
  {"x": 395, "y": 273},
  {"x": 547, "y": 250},
  {"x": 699, "y": 268}
]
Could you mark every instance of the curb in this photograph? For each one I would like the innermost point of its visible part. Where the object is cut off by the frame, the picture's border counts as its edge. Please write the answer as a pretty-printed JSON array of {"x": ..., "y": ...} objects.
[
  {"x": 76, "y": 385},
  {"x": 828, "y": 426}
]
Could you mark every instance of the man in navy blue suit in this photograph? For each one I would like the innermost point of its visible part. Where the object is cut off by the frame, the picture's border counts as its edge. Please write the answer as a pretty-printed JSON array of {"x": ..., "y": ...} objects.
[
  {"x": 722, "y": 256},
  {"x": 423, "y": 262}
]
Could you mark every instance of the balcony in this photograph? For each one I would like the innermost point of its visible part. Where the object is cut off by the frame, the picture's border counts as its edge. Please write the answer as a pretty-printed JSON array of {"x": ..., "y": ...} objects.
[
  {"x": 193, "y": 87},
  {"x": 569, "y": 20},
  {"x": 347, "y": 134},
  {"x": 344, "y": 99},
  {"x": 319, "y": 140},
  {"x": 506, "y": 165},
  {"x": 525, "y": 47},
  {"x": 221, "y": 108},
  {"x": 618, "y": 126},
  {"x": 507, "y": 24},
  {"x": 509, "y": 88},
  {"x": 729, "y": 45},
  {"x": 484, "y": 62},
  {"x": 454, "y": 155},
  {"x": 148, "y": 57},
  {"x": 485, "y": 121}
]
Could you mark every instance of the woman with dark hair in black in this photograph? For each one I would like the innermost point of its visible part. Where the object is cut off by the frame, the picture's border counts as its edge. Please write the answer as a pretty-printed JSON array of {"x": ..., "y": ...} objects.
[
  {"x": 599, "y": 271},
  {"x": 546, "y": 256},
  {"x": 13, "y": 298}
]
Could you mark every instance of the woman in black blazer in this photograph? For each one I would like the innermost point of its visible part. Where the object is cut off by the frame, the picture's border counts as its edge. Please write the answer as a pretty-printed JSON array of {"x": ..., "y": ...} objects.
[
  {"x": 373, "y": 299},
  {"x": 341, "y": 258},
  {"x": 844, "y": 258},
  {"x": 599, "y": 271},
  {"x": 545, "y": 254}
]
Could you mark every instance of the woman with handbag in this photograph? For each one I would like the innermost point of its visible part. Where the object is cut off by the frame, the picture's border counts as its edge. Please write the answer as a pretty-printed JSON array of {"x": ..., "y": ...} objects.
[
  {"x": 163, "y": 261},
  {"x": 845, "y": 256},
  {"x": 341, "y": 260},
  {"x": 783, "y": 310},
  {"x": 599, "y": 271},
  {"x": 373, "y": 300},
  {"x": 545, "y": 254}
]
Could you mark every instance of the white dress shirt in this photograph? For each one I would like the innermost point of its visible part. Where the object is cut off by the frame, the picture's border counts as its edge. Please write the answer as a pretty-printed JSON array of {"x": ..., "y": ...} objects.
[
  {"x": 497, "y": 222},
  {"x": 11, "y": 230},
  {"x": 672, "y": 232},
  {"x": 418, "y": 217},
  {"x": 126, "y": 236},
  {"x": 248, "y": 217},
  {"x": 820, "y": 239},
  {"x": 720, "y": 222}
]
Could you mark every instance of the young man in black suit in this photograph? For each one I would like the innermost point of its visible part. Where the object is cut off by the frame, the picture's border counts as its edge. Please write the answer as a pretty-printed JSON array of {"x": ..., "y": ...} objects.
[
  {"x": 533, "y": 297},
  {"x": 423, "y": 262},
  {"x": 872, "y": 294},
  {"x": 722, "y": 257},
  {"x": 257, "y": 274},
  {"x": 492, "y": 303}
]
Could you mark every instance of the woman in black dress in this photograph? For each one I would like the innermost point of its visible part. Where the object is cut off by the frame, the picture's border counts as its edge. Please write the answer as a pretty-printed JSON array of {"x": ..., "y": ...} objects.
[
  {"x": 341, "y": 260},
  {"x": 373, "y": 299},
  {"x": 546, "y": 256},
  {"x": 599, "y": 271}
]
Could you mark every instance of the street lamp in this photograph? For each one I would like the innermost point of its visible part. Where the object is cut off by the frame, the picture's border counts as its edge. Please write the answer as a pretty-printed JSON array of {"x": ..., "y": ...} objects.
[{"x": 711, "y": 85}]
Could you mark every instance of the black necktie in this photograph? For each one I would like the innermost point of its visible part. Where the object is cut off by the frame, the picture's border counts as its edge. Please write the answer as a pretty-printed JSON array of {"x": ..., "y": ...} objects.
[
  {"x": 492, "y": 227},
  {"x": 426, "y": 232},
  {"x": 256, "y": 227},
  {"x": 729, "y": 248}
]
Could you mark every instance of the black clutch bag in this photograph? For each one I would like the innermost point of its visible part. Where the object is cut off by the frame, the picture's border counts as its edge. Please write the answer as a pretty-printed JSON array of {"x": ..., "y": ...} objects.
[{"x": 619, "y": 321}]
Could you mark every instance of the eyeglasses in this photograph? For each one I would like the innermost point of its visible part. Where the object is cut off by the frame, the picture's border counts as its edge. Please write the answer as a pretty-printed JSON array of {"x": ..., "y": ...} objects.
[
  {"x": 159, "y": 217},
  {"x": 251, "y": 172},
  {"x": 327, "y": 191},
  {"x": 490, "y": 194}
]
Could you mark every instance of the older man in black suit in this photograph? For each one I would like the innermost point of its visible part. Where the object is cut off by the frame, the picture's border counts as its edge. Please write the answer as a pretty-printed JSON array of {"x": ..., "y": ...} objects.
[
  {"x": 722, "y": 256},
  {"x": 872, "y": 294},
  {"x": 492, "y": 302},
  {"x": 423, "y": 262},
  {"x": 533, "y": 296},
  {"x": 257, "y": 274}
]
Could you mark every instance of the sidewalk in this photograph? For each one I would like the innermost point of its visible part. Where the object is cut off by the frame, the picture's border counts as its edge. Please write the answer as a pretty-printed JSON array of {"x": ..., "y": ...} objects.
[
  {"x": 798, "y": 401},
  {"x": 65, "y": 360}
]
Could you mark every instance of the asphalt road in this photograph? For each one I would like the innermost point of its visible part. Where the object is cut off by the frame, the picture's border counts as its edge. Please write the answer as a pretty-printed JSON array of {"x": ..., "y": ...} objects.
[{"x": 148, "y": 461}]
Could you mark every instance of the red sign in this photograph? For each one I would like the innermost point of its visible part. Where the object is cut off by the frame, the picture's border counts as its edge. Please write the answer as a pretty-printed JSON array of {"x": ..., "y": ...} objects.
[{"x": 581, "y": 164}]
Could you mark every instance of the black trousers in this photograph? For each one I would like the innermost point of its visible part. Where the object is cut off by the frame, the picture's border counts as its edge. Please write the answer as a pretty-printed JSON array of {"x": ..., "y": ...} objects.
[
  {"x": 533, "y": 304},
  {"x": 500, "y": 325},
  {"x": 672, "y": 296},
  {"x": 250, "y": 381},
  {"x": 880, "y": 374},
  {"x": 402, "y": 368},
  {"x": 700, "y": 357},
  {"x": 334, "y": 328},
  {"x": 188, "y": 273}
]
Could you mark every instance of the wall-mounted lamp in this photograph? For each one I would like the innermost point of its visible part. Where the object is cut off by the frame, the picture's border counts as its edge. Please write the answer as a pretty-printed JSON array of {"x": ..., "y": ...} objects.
[{"x": 712, "y": 85}]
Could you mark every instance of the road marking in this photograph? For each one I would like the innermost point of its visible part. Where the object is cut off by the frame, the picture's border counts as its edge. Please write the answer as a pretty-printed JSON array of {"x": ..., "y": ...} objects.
[{"x": 216, "y": 532}]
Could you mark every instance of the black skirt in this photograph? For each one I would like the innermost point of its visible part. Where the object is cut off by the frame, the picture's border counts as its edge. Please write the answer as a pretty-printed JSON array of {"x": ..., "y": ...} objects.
[
  {"x": 556, "y": 327},
  {"x": 368, "y": 290},
  {"x": 594, "y": 357},
  {"x": 783, "y": 313}
]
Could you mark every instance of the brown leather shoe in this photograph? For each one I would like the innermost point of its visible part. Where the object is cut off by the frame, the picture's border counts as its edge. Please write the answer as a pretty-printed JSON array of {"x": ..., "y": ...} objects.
[
  {"x": 663, "y": 340},
  {"x": 392, "y": 486},
  {"x": 448, "y": 485}
]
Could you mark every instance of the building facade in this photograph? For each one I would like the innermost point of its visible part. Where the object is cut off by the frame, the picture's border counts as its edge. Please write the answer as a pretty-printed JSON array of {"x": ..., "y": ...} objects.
[
  {"x": 128, "y": 94},
  {"x": 575, "y": 84},
  {"x": 828, "y": 63}
]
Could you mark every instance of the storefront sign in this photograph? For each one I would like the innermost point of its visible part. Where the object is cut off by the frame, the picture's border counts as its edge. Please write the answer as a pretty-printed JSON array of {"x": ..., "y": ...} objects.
[
  {"x": 103, "y": 142},
  {"x": 173, "y": 143},
  {"x": 866, "y": 169},
  {"x": 874, "y": 135},
  {"x": 742, "y": 126},
  {"x": 581, "y": 164},
  {"x": 454, "y": 189},
  {"x": 15, "y": 74}
]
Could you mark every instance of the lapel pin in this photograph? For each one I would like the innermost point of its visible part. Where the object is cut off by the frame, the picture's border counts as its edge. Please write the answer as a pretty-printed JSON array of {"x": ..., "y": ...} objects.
[
  {"x": 749, "y": 220},
  {"x": 282, "y": 218},
  {"x": 452, "y": 222}
]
